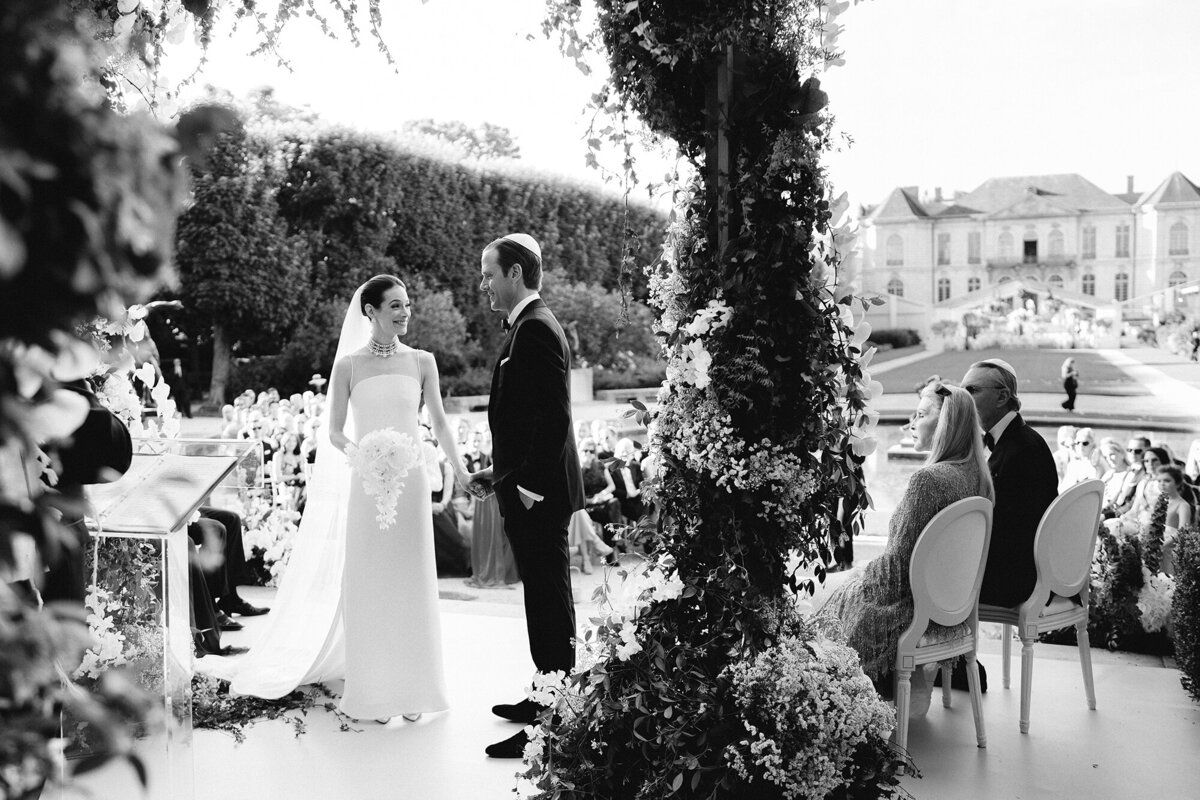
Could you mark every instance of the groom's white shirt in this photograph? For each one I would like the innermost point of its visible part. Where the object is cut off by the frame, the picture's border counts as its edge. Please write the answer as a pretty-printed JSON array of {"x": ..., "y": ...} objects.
[
  {"x": 512, "y": 319},
  {"x": 519, "y": 307}
]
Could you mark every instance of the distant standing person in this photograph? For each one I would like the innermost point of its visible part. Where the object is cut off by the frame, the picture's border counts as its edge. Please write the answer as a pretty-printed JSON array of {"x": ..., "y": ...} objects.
[{"x": 1070, "y": 379}]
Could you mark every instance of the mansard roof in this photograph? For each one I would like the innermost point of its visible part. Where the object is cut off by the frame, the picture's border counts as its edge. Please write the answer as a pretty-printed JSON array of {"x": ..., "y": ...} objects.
[
  {"x": 900, "y": 204},
  {"x": 1068, "y": 192},
  {"x": 1175, "y": 189}
]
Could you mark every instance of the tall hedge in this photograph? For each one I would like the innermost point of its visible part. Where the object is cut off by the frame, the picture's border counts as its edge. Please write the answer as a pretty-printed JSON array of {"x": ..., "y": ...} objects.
[{"x": 366, "y": 205}]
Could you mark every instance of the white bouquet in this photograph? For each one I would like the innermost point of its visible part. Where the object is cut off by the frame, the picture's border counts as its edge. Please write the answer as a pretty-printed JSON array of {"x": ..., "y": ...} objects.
[{"x": 382, "y": 459}]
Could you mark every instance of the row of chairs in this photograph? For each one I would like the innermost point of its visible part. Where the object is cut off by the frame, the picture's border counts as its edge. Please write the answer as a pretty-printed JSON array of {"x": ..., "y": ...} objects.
[{"x": 946, "y": 591}]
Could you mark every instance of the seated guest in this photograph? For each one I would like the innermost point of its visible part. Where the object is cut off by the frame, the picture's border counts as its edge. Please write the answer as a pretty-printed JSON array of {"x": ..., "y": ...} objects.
[
  {"x": 229, "y": 426},
  {"x": 626, "y": 474},
  {"x": 1085, "y": 463},
  {"x": 1066, "y": 449},
  {"x": 1191, "y": 465},
  {"x": 221, "y": 530},
  {"x": 1024, "y": 479},
  {"x": 1145, "y": 495},
  {"x": 1180, "y": 512},
  {"x": 874, "y": 605},
  {"x": 1116, "y": 471},
  {"x": 598, "y": 490},
  {"x": 1134, "y": 450}
]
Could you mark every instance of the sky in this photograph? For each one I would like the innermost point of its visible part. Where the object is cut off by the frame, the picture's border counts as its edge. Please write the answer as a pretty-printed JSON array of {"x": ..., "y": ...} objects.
[{"x": 942, "y": 93}]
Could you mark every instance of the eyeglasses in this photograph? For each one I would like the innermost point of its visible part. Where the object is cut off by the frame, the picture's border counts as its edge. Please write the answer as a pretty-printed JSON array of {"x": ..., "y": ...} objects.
[
  {"x": 1083, "y": 442},
  {"x": 972, "y": 389},
  {"x": 1137, "y": 451},
  {"x": 588, "y": 450}
]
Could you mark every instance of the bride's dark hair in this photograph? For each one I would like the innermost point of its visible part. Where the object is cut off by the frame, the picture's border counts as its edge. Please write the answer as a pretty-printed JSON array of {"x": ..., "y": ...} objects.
[{"x": 374, "y": 289}]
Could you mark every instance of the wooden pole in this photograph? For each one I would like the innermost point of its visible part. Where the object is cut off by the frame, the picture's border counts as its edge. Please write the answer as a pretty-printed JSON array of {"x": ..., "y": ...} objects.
[{"x": 719, "y": 162}]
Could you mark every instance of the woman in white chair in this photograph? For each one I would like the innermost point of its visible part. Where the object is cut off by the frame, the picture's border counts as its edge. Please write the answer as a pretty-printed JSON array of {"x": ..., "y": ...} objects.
[
  {"x": 1085, "y": 463},
  {"x": 875, "y": 606}
]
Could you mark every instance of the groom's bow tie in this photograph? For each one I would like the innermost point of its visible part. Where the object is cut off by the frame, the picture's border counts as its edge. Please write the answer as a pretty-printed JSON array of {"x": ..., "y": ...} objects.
[
  {"x": 506, "y": 326},
  {"x": 988, "y": 442}
]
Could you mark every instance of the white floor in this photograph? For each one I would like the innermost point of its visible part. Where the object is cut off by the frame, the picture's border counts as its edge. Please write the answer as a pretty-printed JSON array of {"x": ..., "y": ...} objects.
[{"x": 1142, "y": 741}]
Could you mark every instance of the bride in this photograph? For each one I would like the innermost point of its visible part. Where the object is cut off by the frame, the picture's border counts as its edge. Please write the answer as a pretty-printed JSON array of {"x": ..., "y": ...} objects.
[{"x": 358, "y": 602}]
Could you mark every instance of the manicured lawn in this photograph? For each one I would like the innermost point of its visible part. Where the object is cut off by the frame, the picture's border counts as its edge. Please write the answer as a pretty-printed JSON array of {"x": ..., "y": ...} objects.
[{"x": 1037, "y": 371}]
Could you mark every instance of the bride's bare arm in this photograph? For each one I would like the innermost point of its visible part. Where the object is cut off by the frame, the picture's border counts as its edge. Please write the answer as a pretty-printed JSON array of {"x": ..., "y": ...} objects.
[
  {"x": 339, "y": 398},
  {"x": 437, "y": 415}
]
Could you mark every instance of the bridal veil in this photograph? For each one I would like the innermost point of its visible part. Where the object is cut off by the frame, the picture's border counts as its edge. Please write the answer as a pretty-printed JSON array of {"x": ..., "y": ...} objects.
[{"x": 304, "y": 640}]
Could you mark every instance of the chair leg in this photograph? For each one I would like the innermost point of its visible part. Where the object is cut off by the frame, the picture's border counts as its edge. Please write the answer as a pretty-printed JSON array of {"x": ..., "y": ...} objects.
[
  {"x": 903, "y": 700},
  {"x": 1026, "y": 680},
  {"x": 976, "y": 699},
  {"x": 1006, "y": 651},
  {"x": 1085, "y": 661},
  {"x": 946, "y": 687}
]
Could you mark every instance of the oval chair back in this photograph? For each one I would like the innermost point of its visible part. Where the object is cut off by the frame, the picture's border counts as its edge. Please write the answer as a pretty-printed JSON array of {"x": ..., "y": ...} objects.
[
  {"x": 1065, "y": 543},
  {"x": 946, "y": 567}
]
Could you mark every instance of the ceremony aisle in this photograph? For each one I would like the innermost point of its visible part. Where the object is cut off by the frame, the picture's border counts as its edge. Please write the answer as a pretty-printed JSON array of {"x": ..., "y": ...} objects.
[{"x": 1140, "y": 742}]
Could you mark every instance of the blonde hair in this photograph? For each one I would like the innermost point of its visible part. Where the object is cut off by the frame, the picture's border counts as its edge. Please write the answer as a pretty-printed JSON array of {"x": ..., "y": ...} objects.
[{"x": 957, "y": 439}]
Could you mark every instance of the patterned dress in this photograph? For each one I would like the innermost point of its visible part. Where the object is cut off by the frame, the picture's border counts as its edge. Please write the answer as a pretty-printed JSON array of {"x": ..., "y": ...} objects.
[{"x": 874, "y": 607}]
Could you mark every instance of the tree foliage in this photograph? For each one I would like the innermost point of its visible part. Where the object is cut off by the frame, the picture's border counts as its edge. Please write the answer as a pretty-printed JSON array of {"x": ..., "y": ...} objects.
[
  {"x": 239, "y": 265},
  {"x": 486, "y": 140}
]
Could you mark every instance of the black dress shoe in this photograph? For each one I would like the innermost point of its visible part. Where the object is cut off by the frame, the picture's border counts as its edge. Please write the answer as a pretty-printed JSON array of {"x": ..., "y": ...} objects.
[
  {"x": 524, "y": 712},
  {"x": 228, "y": 623},
  {"x": 512, "y": 747},
  {"x": 243, "y": 608}
]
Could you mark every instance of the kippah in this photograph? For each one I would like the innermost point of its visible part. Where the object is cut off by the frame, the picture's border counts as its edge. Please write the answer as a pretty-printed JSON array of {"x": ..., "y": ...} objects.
[
  {"x": 999, "y": 363},
  {"x": 526, "y": 241}
]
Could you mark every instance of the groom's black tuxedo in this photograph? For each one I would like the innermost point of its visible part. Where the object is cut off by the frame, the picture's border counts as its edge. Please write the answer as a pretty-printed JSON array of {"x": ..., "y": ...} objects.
[
  {"x": 529, "y": 412},
  {"x": 1026, "y": 483}
]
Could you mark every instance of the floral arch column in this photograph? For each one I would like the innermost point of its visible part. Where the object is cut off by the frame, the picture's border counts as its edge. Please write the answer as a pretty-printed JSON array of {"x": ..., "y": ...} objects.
[{"x": 703, "y": 680}]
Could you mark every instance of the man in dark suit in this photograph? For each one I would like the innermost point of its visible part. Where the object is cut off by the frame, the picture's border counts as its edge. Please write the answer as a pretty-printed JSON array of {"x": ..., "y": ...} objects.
[
  {"x": 1024, "y": 477},
  {"x": 535, "y": 469}
]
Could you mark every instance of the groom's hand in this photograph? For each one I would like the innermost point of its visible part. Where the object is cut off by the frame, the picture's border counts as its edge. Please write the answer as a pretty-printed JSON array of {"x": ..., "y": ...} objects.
[{"x": 480, "y": 483}]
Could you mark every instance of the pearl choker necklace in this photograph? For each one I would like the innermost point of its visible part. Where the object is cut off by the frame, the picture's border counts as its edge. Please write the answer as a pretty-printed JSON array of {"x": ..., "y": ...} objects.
[{"x": 384, "y": 350}]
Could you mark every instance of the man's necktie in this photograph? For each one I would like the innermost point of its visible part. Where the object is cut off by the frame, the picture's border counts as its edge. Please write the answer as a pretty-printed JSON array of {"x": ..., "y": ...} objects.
[
  {"x": 506, "y": 325},
  {"x": 988, "y": 441}
]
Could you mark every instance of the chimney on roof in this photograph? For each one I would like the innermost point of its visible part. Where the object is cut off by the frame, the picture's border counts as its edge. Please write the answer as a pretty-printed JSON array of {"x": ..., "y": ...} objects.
[
  {"x": 937, "y": 194},
  {"x": 1128, "y": 184}
]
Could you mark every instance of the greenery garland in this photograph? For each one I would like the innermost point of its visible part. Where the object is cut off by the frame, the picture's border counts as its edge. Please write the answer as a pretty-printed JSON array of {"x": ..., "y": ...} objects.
[
  {"x": 763, "y": 426},
  {"x": 1185, "y": 609}
]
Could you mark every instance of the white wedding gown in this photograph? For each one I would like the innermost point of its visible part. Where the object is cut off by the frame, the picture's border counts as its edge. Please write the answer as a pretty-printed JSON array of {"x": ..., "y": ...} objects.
[{"x": 363, "y": 604}]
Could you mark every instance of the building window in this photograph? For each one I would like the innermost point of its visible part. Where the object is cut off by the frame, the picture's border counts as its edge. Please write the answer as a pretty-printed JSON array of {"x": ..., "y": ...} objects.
[
  {"x": 895, "y": 251},
  {"x": 1029, "y": 253},
  {"x": 1056, "y": 281},
  {"x": 1087, "y": 284},
  {"x": 1088, "y": 246},
  {"x": 1005, "y": 279},
  {"x": 943, "y": 253},
  {"x": 1121, "y": 287},
  {"x": 943, "y": 289},
  {"x": 1178, "y": 244},
  {"x": 1004, "y": 247},
  {"x": 1055, "y": 243},
  {"x": 896, "y": 287},
  {"x": 972, "y": 284},
  {"x": 974, "y": 247},
  {"x": 1177, "y": 278},
  {"x": 1122, "y": 244}
]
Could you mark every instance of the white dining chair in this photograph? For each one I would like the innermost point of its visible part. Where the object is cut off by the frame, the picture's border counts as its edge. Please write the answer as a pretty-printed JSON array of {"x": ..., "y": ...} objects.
[
  {"x": 1062, "y": 554},
  {"x": 945, "y": 571}
]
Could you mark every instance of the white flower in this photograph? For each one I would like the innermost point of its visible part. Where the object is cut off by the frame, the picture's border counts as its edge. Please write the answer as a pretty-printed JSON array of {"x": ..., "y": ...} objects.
[
  {"x": 629, "y": 643},
  {"x": 1154, "y": 600}
]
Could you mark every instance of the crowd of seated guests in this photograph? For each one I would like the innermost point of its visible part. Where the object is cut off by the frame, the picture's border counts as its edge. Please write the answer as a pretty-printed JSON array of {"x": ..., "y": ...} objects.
[
  {"x": 287, "y": 428},
  {"x": 1136, "y": 479}
]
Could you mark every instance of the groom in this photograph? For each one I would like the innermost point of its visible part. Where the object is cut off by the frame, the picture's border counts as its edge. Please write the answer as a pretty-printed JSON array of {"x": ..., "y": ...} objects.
[{"x": 535, "y": 469}]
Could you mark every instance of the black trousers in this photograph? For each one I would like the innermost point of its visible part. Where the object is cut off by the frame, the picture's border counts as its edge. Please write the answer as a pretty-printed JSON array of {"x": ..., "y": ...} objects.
[
  {"x": 1070, "y": 386},
  {"x": 539, "y": 543},
  {"x": 225, "y": 527}
]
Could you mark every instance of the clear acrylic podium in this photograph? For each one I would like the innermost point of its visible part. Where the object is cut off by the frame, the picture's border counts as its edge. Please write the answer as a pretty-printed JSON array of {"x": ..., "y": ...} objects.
[{"x": 142, "y": 519}]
